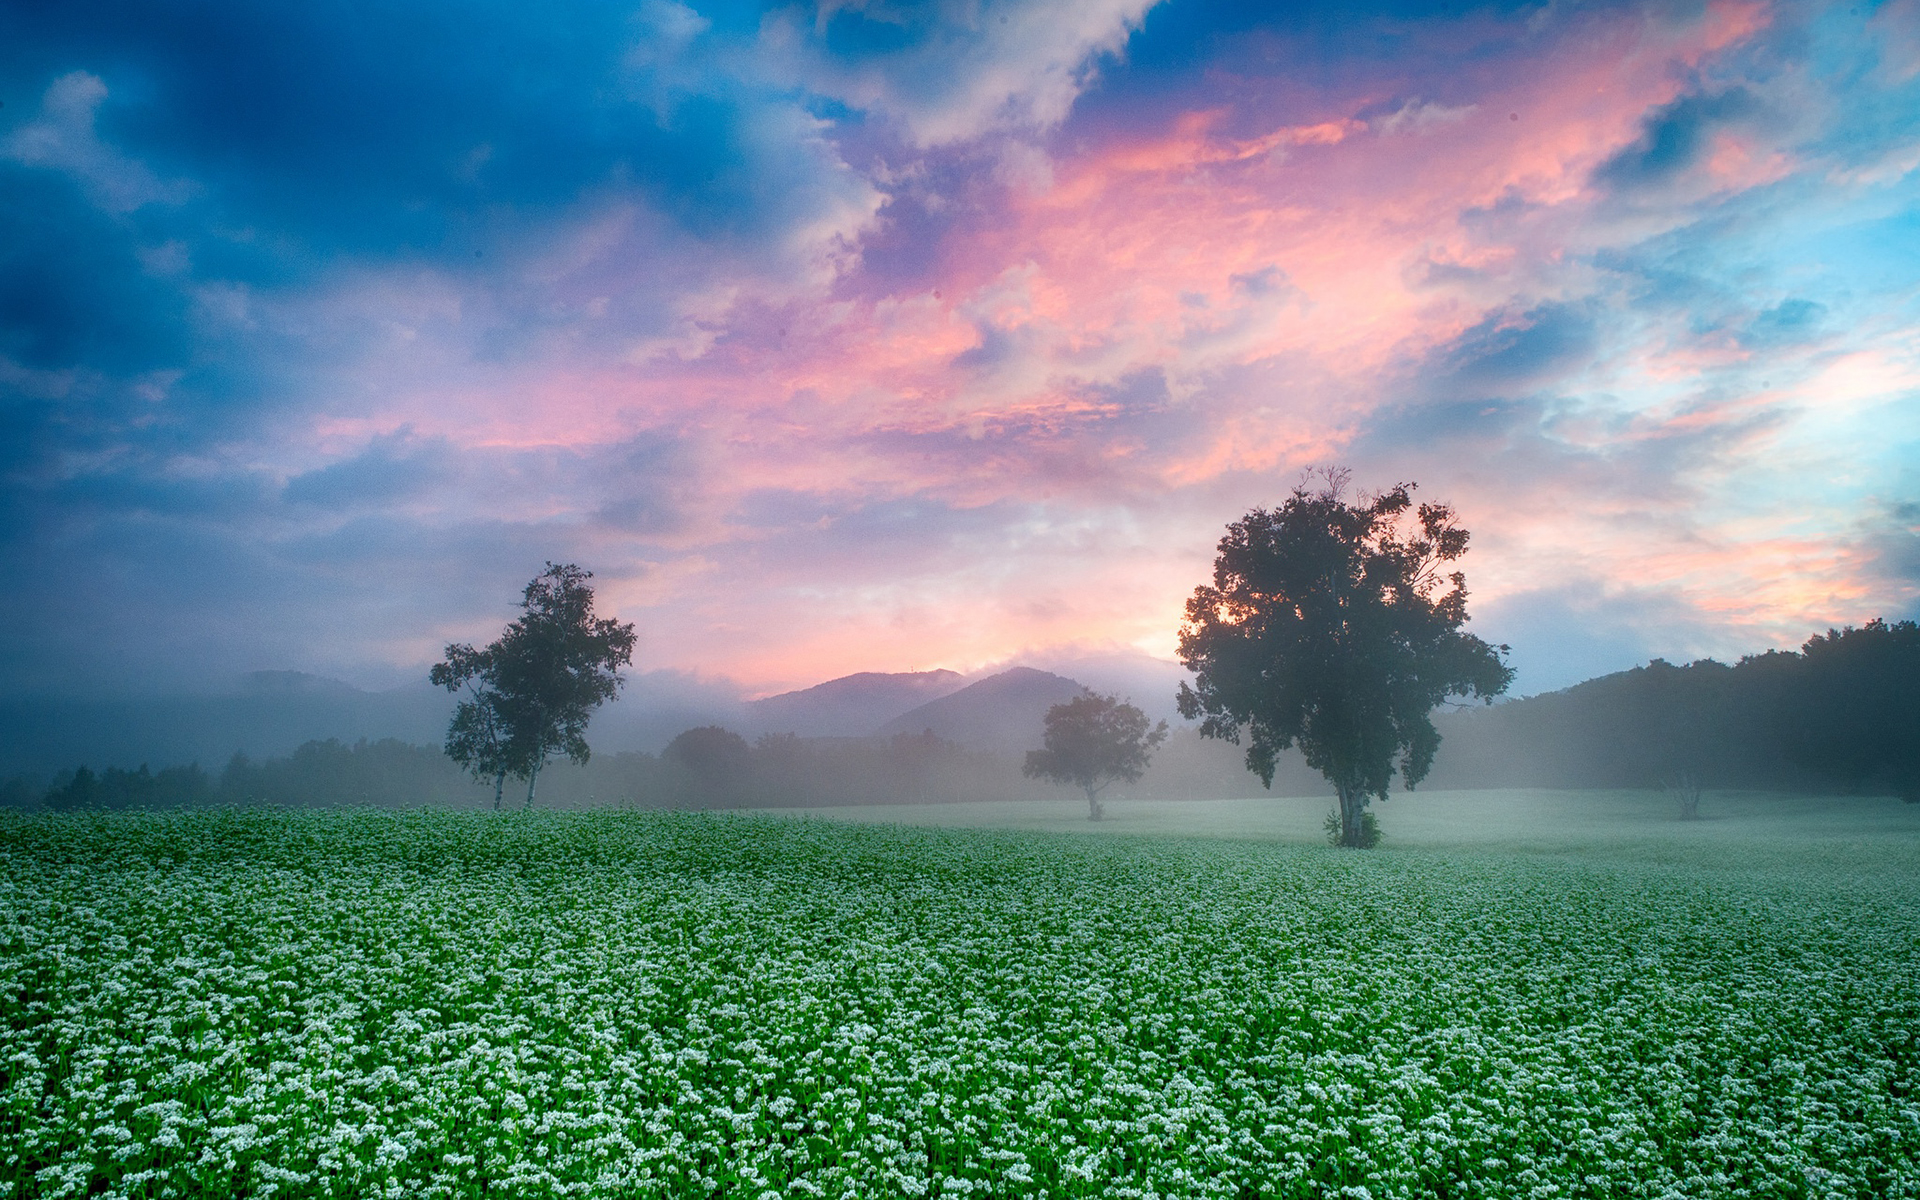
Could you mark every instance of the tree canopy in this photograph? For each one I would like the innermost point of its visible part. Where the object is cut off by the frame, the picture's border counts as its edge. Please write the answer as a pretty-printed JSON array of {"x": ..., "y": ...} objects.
[
  {"x": 1336, "y": 626},
  {"x": 1093, "y": 741},
  {"x": 531, "y": 693}
]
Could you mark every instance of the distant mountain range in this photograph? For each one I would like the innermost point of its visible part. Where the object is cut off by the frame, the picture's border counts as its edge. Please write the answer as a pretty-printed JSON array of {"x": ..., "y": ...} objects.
[
  {"x": 1843, "y": 714},
  {"x": 852, "y": 705},
  {"x": 272, "y": 712},
  {"x": 1003, "y": 712}
]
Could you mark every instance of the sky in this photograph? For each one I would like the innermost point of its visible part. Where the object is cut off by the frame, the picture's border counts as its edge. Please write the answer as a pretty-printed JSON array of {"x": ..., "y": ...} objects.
[{"x": 877, "y": 336}]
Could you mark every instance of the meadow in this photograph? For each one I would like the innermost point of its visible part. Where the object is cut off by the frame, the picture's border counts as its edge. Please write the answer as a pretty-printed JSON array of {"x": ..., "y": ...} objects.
[{"x": 1522, "y": 994}]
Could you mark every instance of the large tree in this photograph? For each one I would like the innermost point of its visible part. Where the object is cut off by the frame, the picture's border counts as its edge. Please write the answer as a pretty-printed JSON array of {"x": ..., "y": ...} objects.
[
  {"x": 1093, "y": 741},
  {"x": 1336, "y": 626},
  {"x": 532, "y": 691}
]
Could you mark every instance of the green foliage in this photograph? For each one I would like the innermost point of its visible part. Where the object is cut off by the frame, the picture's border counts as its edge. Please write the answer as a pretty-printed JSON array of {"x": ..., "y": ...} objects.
[
  {"x": 385, "y": 773},
  {"x": 1861, "y": 694},
  {"x": 778, "y": 770},
  {"x": 531, "y": 693},
  {"x": 1841, "y": 714},
  {"x": 1370, "y": 834},
  {"x": 347, "y": 1004},
  {"x": 1092, "y": 742},
  {"x": 119, "y": 788},
  {"x": 1334, "y": 626}
]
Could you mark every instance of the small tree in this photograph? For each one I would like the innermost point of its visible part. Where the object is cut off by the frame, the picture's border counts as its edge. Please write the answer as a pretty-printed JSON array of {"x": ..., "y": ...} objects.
[
  {"x": 1685, "y": 788},
  {"x": 1334, "y": 626},
  {"x": 532, "y": 691},
  {"x": 477, "y": 737},
  {"x": 1093, "y": 741},
  {"x": 717, "y": 764}
]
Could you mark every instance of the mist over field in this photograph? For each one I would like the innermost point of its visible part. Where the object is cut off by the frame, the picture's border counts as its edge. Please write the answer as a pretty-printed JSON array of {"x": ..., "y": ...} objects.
[
  {"x": 1842, "y": 717},
  {"x": 1132, "y": 598}
]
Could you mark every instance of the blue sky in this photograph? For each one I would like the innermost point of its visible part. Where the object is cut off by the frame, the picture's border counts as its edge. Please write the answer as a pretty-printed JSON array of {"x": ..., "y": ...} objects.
[{"x": 891, "y": 337}]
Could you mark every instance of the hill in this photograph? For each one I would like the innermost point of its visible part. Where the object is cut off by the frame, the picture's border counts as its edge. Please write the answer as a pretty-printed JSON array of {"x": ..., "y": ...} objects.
[
  {"x": 1003, "y": 712},
  {"x": 1841, "y": 714},
  {"x": 851, "y": 705}
]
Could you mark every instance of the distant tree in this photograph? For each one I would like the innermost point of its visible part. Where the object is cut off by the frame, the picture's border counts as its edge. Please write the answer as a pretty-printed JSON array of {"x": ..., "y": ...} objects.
[
  {"x": 116, "y": 787},
  {"x": 80, "y": 790},
  {"x": 477, "y": 737},
  {"x": 715, "y": 750},
  {"x": 716, "y": 763},
  {"x": 1852, "y": 713},
  {"x": 1335, "y": 627},
  {"x": 21, "y": 791},
  {"x": 1093, "y": 741},
  {"x": 1685, "y": 789},
  {"x": 532, "y": 692}
]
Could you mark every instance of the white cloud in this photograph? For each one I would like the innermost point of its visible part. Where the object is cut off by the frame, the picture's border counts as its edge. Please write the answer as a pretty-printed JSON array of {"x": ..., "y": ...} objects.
[
  {"x": 64, "y": 139},
  {"x": 1418, "y": 116}
]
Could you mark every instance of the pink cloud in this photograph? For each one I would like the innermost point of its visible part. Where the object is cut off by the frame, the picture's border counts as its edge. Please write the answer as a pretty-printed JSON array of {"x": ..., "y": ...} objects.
[{"x": 1278, "y": 275}]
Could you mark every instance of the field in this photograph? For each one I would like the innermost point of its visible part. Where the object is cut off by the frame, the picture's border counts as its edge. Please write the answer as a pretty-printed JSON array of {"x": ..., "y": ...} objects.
[{"x": 1521, "y": 995}]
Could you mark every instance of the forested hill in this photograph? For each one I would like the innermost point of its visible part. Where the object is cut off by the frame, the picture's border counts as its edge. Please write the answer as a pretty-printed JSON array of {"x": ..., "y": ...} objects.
[{"x": 1841, "y": 714}]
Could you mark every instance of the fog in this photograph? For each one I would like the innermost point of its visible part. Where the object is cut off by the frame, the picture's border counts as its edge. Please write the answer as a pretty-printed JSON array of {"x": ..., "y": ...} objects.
[{"x": 1839, "y": 717}]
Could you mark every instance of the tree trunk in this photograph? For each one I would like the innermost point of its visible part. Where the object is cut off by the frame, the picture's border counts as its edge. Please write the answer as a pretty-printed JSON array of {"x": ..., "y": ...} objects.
[
  {"x": 1093, "y": 804},
  {"x": 1353, "y": 804},
  {"x": 533, "y": 777},
  {"x": 1687, "y": 789},
  {"x": 499, "y": 786}
]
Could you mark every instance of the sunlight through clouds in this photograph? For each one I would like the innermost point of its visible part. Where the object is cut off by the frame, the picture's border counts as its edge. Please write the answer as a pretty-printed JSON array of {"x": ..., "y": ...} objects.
[{"x": 877, "y": 337}]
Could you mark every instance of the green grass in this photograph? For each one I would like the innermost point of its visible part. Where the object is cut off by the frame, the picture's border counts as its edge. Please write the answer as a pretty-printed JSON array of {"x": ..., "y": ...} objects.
[{"x": 1522, "y": 995}]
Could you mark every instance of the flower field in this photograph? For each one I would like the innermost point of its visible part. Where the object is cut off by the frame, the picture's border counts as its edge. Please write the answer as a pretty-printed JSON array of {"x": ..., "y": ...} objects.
[{"x": 617, "y": 1004}]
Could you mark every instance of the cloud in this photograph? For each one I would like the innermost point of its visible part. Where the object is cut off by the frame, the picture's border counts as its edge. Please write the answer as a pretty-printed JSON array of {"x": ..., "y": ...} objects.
[
  {"x": 1508, "y": 349},
  {"x": 74, "y": 293},
  {"x": 1677, "y": 139},
  {"x": 866, "y": 337},
  {"x": 388, "y": 471},
  {"x": 1583, "y": 628},
  {"x": 951, "y": 73},
  {"x": 1418, "y": 116},
  {"x": 64, "y": 139},
  {"x": 1792, "y": 321}
]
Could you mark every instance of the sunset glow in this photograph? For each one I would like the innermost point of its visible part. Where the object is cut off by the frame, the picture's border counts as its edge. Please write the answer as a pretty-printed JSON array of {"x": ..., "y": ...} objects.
[{"x": 883, "y": 337}]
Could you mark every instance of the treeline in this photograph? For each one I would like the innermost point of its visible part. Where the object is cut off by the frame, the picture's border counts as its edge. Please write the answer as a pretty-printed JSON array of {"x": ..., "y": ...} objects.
[
  {"x": 702, "y": 768},
  {"x": 318, "y": 774},
  {"x": 1842, "y": 714}
]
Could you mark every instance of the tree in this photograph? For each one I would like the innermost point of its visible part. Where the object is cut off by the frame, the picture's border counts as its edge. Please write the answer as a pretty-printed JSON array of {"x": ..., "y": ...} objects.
[
  {"x": 1851, "y": 714},
  {"x": 477, "y": 736},
  {"x": 1093, "y": 741},
  {"x": 532, "y": 691},
  {"x": 717, "y": 763},
  {"x": 1332, "y": 626}
]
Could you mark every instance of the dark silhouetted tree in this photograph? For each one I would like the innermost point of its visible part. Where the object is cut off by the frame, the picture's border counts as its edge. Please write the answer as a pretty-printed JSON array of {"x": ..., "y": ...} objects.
[
  {"x": 1335, "y": 627},
  {"x": 1094, "y": 741},
  {"x": 477, "y": 737},
  {"x": 115, "y": 787},
  {"x": 1853, "y": 712},
  {"x": 717, "y": 763},
  {"x": 532, "y": 691}
]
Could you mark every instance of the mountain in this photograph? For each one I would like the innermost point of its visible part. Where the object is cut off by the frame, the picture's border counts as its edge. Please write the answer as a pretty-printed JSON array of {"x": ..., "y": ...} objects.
[
  {"x": 1004, "y": 712},
  {"x": 1149, "y": 683},
  {"x": 851, "y": 705}
]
